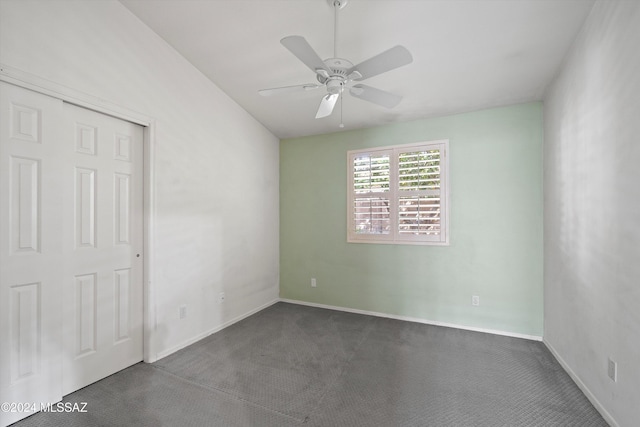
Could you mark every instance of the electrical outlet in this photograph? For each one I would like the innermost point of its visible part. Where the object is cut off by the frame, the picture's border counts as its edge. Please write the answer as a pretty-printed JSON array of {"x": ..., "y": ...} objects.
[
  {"x": 475, "y": 300},
  {"x": 221, "y": 297},
  {"x": 183, "y": 311},
  {"x": 613, "y": 370},
  {"x": 313, "y": 282}
]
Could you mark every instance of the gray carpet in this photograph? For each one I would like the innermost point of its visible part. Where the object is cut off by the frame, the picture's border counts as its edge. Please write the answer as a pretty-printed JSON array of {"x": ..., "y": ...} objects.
[{"x": 294, "y": 365}]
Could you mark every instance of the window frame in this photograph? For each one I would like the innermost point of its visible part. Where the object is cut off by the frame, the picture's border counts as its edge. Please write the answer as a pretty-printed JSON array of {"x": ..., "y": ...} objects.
[{"x": 394, "y": 236}]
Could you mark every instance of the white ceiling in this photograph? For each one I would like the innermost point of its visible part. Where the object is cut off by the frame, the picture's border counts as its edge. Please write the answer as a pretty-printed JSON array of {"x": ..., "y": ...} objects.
[{"x": 468, "y": 54}]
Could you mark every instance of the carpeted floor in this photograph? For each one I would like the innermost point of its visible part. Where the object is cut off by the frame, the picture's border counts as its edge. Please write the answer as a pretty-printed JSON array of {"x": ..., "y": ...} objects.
[{"x": 293, "y": 365}]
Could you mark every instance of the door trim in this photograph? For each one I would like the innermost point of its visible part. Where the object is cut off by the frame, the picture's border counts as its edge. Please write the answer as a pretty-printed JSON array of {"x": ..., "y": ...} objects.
[{"x": 38, "y": 84}]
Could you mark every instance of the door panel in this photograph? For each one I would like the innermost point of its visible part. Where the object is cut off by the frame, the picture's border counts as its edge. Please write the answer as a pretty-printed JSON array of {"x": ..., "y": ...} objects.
[
  {"x": 31, "y": 259},
  {"x": 103, "y": 290}
]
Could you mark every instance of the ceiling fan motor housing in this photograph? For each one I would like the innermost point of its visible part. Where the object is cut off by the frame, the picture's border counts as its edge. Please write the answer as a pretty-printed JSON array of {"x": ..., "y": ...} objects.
[{"x": 336, "y": 80}]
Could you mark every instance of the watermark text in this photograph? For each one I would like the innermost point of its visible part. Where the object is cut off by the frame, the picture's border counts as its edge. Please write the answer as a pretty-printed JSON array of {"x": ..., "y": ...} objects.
[{"x": 27, "y": 407}]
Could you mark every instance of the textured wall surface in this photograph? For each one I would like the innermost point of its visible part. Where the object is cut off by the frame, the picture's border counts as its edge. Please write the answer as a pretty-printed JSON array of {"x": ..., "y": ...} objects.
[
  {"x": 216, "y": 168},
  {"x": 592, "y": 208},
  {"x": 496, "y": 225}
]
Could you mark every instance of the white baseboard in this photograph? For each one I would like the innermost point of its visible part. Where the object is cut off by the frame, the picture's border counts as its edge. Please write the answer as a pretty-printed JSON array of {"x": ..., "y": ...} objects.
[
  {"x": 595, "y": 402},
  {"x": 218, "y": 328},
  {"x": 415, "y": 319}
]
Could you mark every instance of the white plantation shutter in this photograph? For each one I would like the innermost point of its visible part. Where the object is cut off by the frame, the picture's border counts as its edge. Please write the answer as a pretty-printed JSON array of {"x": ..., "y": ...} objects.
[
  {"x": 419, "y": 186},
  {"x": 399, "y": 194},
  {"x": 371, "y": 203}
]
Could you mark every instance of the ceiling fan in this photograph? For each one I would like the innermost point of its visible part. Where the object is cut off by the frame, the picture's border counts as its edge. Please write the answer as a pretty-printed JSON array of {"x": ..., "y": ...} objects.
[{"x": 335, "y": 74}]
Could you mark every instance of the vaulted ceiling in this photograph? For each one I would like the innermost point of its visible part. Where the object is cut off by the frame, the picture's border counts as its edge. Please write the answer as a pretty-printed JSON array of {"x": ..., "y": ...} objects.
[{"x": 467, "y": 54}]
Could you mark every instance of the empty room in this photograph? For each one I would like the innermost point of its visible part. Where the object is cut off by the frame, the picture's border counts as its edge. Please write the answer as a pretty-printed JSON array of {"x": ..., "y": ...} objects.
[{"x": 320, "y": 213}]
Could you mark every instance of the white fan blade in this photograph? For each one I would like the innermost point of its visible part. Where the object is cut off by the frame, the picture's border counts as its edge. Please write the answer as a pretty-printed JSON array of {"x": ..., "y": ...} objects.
[
  {"x": 377, "y": 96},
  {"x": 386, "y": 61},
  {"x": 326, "y": 105},
  {"x": 305, "y": 53},
  {"x": 288, "y": 89}
]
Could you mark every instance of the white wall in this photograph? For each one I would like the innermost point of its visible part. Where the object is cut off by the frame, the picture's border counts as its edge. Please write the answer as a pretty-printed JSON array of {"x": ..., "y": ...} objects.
[
  {"x": 216, "y": 167},
  {"x": 592, "y": 209}
]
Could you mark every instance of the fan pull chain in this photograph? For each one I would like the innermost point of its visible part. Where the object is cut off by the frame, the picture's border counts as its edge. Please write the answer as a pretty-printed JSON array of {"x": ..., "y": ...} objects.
[{"x": 341, "y": 125}]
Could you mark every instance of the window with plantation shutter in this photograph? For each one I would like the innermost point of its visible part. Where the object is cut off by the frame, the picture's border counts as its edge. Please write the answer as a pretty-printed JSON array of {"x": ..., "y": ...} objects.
[{"x": 399, "y": 194}]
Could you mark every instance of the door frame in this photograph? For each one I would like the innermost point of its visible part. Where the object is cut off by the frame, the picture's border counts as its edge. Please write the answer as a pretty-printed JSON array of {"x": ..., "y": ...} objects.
[{"x": 69, "y": 95}]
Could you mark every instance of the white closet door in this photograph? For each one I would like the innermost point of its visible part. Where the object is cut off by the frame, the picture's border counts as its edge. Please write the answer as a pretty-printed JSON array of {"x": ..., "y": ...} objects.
[
  {"x": 71, "y": 239},
  {"x": 31, "y": 261},
  {"x": 103, "y": 293}
]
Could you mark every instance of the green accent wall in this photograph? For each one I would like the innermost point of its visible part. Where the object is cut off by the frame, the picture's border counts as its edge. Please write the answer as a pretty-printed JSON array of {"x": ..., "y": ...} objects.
[{"x": 495, "y": 249}]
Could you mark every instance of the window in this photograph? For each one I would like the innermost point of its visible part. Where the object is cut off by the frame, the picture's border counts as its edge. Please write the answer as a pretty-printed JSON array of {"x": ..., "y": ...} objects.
[{"x": 399, "y": 194}]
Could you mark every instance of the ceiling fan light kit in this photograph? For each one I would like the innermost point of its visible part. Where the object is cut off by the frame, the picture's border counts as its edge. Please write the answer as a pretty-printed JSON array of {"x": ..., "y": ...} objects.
[
  {"x": 338, "y": 3},
  {"x": 335, "y": 74}
]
